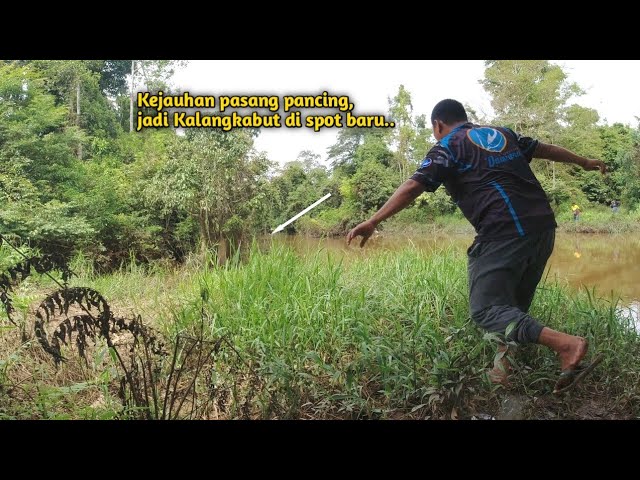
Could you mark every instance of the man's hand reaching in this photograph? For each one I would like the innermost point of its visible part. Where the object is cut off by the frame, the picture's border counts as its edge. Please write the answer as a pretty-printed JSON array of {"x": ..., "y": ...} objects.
[
  {"x": 592, "y": 164},
  {"x": 365, "y": 229},
  {"x": 401, "y": 198},
  {"x": 559, "y": 154}
]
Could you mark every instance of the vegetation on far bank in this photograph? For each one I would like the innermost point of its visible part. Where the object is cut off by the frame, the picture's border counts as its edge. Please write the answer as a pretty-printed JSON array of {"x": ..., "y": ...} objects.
[
  {"x": 598, "y": 219},
  {"x": 74, "y": 178}
]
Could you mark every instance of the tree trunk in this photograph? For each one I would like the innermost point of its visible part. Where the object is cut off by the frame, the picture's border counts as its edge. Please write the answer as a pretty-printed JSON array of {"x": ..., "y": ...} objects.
[
  {"x": 78, "y": 117},
  {"x": 204, "y": 243},
  {"x": 223, "y": 251},
  {"x": 131, "y": 98},
  {"x": 209, "y": 238}
]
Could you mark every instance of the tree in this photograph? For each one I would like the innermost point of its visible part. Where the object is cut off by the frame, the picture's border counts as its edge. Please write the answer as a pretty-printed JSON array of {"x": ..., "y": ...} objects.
[
  {"x": 299, "y": 184},
  {"x": 620, "y": 152},
  {"x": 404, "y": 134},
  {"x": 216, "y": 178},
  {"x": 113, "y": 77},
  {"x": 374, "y": 149},
  {"x": 341, "y": 154},
  {"x": 77, "y": 84},
  {"x": 581, "y": 134},
  {"x": 528, "y": 95},
  {"x": 38, "y": 178},
  {"x": 371, "y": 187},
  {"x": 154, "y": 75},
  {"x": 421, "y": 143}
]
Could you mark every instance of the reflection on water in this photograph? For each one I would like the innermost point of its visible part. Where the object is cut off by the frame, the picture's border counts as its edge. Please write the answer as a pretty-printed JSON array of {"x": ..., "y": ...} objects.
[
  {"x": 632, "y": 312},
  {"x": 607, "y": 262}
]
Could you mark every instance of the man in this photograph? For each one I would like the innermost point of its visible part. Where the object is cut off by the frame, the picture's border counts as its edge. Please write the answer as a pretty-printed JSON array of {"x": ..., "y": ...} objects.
[
  {"x": 486, "y": 171},
  {"x": 576, "y": 211}
]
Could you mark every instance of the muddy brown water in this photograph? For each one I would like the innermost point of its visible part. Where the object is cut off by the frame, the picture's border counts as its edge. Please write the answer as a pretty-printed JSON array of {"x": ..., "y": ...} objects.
[{"x": 610, "y": 263}]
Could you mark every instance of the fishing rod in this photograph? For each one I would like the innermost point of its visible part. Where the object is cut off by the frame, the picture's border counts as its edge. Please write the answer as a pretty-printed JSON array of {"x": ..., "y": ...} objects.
[{"x": 279, "y": 228}]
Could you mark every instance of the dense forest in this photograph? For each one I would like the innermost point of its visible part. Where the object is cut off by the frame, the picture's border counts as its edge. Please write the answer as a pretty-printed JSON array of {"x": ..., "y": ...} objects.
[{"x": 74, "y": 176}]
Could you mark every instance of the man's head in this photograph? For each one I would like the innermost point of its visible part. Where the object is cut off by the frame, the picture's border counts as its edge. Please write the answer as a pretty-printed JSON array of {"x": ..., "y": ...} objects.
[{"x": 447, "y": 115}]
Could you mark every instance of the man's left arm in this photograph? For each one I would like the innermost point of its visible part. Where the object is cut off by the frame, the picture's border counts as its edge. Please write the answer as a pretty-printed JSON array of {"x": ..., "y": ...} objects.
[
  {"x": 559, "y": 154},
  {"x": 531, "y": 148}
]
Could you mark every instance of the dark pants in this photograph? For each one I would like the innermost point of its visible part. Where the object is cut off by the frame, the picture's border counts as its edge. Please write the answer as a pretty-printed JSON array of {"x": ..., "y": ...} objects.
[{"x": 503, "y": 276}]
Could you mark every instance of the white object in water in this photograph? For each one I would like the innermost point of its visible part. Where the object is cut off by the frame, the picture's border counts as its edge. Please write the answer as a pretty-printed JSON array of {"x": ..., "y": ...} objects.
[
  {"x": 279, "y": 228},
  {"x": 632, "y": 313}
]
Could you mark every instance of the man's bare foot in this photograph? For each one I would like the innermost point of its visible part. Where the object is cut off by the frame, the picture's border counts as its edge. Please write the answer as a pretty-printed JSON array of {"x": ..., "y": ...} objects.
[
  {"x": 570, "y": 349},
  {"x": 573, "y": 352}
]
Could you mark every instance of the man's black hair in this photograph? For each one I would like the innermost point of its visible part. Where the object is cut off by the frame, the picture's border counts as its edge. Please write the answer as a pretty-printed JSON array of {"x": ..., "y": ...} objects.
[{"x": 449, "y": 111}]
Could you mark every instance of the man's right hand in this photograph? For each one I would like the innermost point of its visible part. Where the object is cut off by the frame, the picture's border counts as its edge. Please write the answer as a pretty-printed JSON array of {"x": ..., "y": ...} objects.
[
  {"x": 401, "y": 198},
  {"x": 365, "y": 229},
  {"x": 592, "y": 164}
]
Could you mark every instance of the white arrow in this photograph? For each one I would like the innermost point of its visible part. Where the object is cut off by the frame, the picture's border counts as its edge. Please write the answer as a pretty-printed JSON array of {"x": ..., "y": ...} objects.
[{"x": 294, "y": 218}]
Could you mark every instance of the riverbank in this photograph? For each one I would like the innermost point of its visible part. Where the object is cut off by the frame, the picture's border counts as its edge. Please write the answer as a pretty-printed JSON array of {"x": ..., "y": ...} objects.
[
  {"x": 597, "y": 221},
  {"x": 384, "y": 335}
]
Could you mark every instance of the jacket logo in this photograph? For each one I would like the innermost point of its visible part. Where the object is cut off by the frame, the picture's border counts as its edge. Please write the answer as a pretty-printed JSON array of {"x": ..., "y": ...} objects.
[{"x": 487, "y": 138}]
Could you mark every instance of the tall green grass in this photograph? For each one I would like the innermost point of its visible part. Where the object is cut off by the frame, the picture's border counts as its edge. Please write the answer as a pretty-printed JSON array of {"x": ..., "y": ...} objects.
[
  {"x": 371, "y": 334},
  {"x": 381, "y": 334}
]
